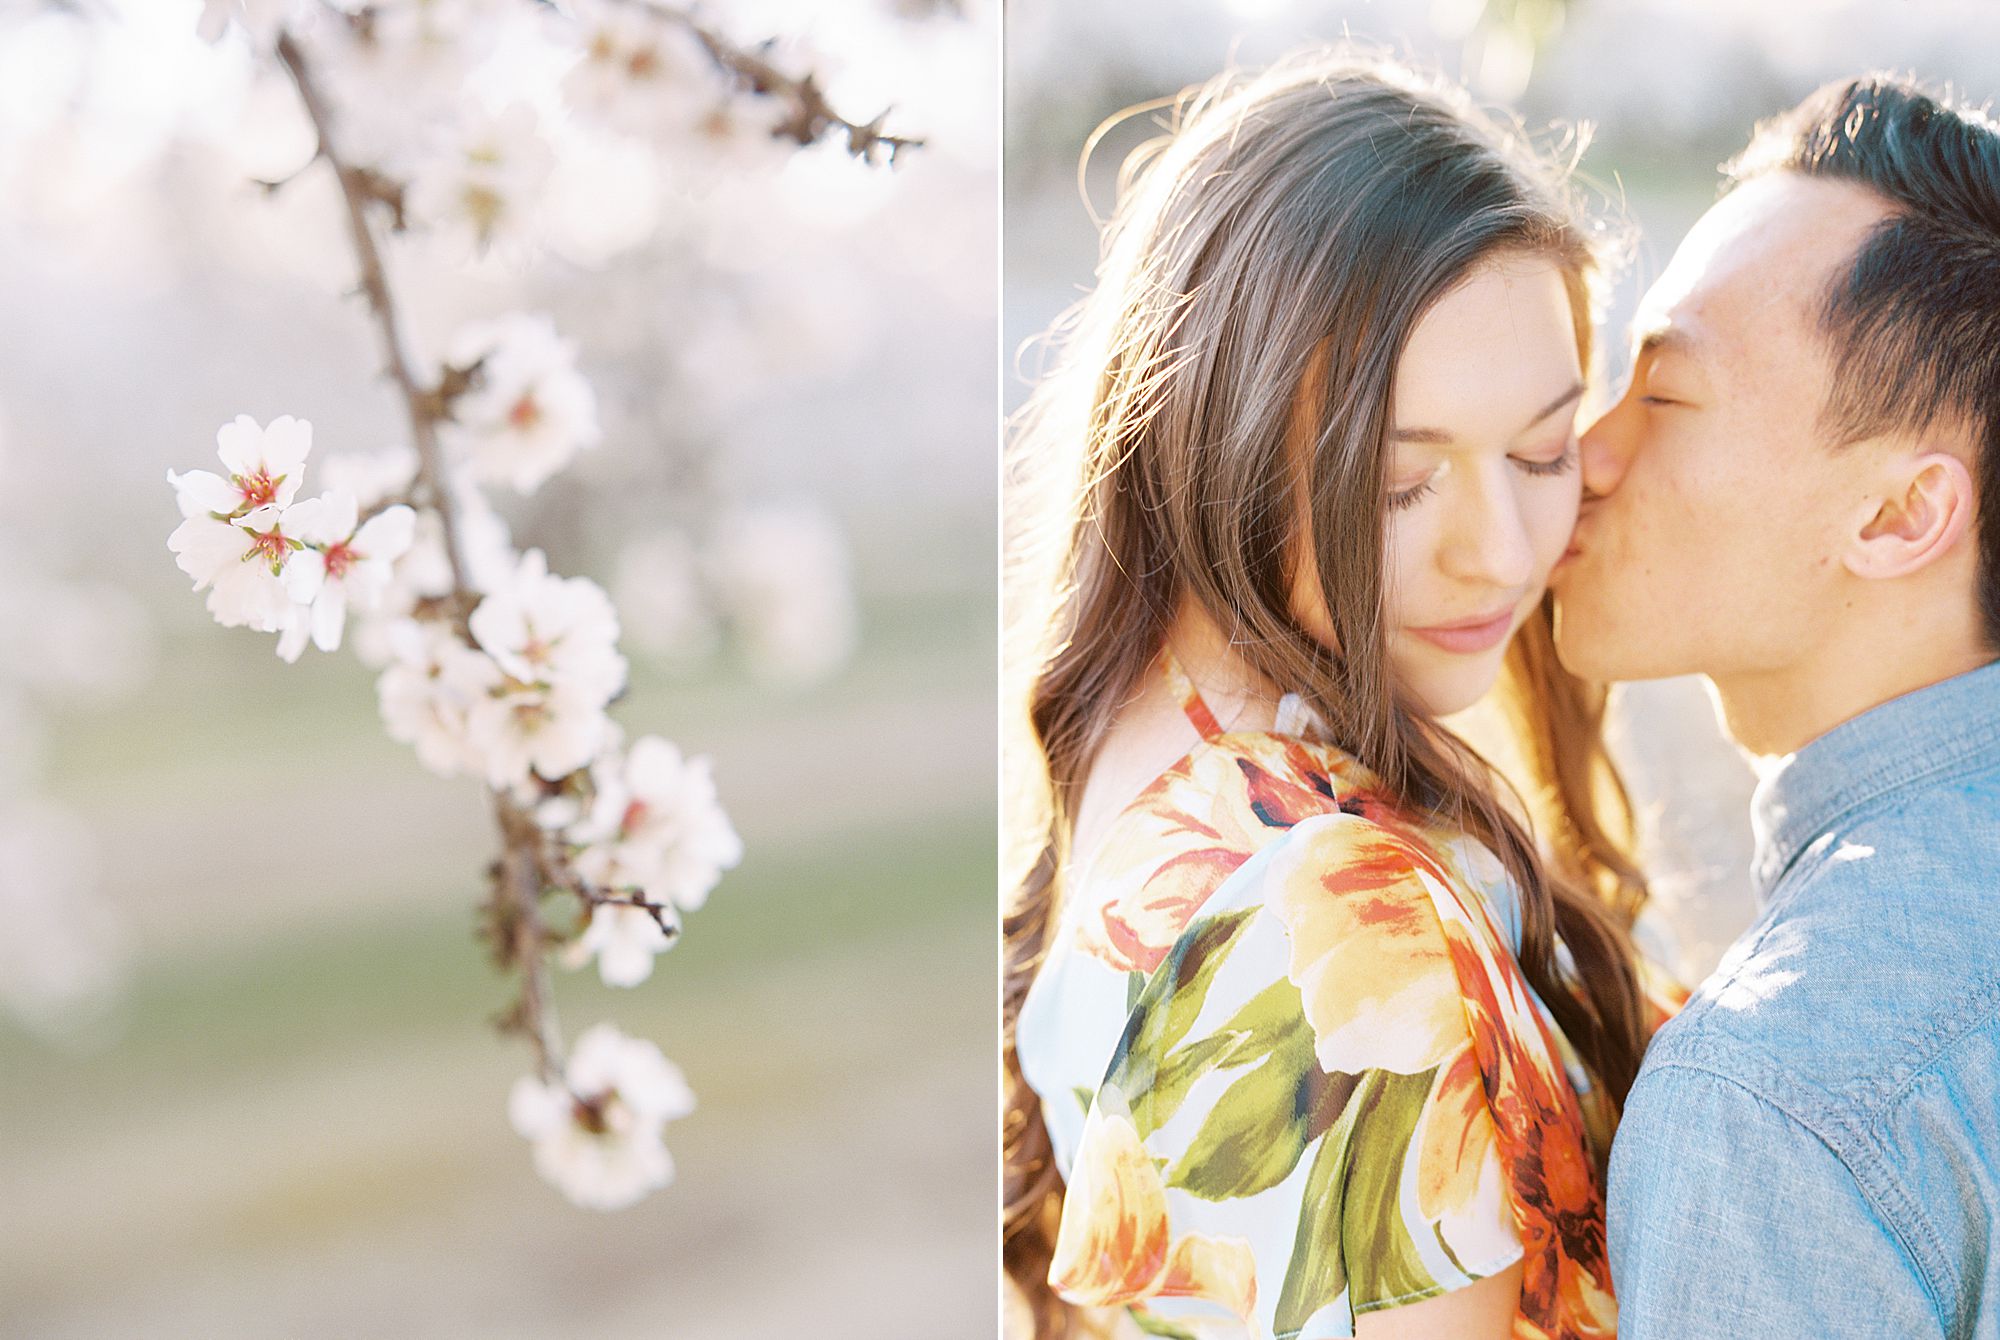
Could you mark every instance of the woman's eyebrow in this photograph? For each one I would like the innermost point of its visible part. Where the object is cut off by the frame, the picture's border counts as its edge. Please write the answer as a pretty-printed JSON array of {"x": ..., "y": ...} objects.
[{"x": 1439, "y": 435}]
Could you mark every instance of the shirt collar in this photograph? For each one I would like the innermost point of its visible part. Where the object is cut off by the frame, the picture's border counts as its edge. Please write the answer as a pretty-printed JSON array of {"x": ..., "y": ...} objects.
[{"x": 1941, "y": 728}]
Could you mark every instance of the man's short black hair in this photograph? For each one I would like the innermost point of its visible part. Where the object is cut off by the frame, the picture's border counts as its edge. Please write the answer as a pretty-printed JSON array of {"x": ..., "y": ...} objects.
[{"x": 1913, "y": 321}]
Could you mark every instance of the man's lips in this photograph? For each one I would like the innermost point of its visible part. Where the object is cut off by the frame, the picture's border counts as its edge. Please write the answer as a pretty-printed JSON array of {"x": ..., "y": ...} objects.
[{"x": 1481, "y": 632}]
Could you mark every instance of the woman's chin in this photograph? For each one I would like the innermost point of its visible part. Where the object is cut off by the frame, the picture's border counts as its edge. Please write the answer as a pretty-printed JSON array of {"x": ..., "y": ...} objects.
[{"x": 1442, "y": 682}]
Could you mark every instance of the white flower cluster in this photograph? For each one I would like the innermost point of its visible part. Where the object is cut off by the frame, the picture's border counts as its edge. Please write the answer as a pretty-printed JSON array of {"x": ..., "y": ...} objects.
[
  {"x": 276, "y": 564},
  {"x": 498, "y": 669}
]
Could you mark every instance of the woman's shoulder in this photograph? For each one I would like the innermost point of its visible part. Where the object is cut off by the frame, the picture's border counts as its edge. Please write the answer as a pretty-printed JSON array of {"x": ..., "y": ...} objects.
[{"x": 1172, "y": 848}]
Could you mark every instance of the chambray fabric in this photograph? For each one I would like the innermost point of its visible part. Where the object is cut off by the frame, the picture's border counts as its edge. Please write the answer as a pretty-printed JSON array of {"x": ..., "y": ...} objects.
[{"x": 1813, "y": 1144}]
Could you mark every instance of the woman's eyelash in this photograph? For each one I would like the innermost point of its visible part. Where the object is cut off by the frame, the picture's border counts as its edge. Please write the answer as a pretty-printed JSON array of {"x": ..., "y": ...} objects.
[
  {"x": 1560, "y": 465},
  {"x": 1410, "y": 497}
]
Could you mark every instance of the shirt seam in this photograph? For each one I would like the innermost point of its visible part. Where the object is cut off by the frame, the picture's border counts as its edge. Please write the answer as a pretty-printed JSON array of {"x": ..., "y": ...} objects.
[
  {"x": 1926, "y": 1270},
  {"x": 1474, "y": 1274}
]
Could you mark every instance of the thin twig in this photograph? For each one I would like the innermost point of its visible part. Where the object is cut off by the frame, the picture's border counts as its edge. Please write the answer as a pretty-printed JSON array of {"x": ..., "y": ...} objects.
[
  {"x": 812, "y": 115},
  {"x": 358, "y": 186}
]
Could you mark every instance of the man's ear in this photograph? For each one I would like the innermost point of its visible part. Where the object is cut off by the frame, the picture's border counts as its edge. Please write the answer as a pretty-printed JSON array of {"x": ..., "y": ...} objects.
[{"x": 1921, "y": 518}]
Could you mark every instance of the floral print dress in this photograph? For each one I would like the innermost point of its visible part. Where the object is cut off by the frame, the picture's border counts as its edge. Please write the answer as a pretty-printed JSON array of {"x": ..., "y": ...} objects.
[{"x": 1290, "y": 1065}]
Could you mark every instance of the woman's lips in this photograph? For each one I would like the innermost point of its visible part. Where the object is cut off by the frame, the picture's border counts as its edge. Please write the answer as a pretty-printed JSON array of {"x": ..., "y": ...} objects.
[{"x": 1466, "y": 636}]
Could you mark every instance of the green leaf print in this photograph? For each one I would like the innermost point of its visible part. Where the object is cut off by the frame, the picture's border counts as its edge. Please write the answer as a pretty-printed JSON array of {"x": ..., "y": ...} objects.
[
  {"x": 1340, "y": 1238},
  {"x": 1253, "y": 1136},
  {"x": 1168, "y": 1006},
  {"x": 1152, "y": 1325},
  {"x": 1382, "y": 1260}
]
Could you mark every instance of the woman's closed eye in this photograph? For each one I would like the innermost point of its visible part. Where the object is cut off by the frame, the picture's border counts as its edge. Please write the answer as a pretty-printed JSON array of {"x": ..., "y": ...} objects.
[{"x": 1549, "y": 465}]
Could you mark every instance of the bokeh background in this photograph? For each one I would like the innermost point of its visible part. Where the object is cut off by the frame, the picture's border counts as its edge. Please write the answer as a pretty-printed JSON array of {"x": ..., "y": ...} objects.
[
  {"x": 1668, "y": 89},
  {"x": 248, "y": 1085}
]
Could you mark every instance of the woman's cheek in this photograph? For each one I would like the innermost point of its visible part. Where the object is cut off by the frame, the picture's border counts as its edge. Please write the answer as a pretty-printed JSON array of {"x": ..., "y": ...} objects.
[{"x": 1551, "y": 509}]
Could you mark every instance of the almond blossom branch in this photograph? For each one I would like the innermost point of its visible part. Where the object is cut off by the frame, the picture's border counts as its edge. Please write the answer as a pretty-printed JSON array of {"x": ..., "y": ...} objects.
[
  {"x": 811, "y": 115},
  {"x": 516, "y": 911}
]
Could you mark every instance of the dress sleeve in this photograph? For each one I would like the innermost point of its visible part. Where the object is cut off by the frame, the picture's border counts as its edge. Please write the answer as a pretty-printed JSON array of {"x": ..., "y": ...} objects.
[{"x": 1293, "y": 1129}]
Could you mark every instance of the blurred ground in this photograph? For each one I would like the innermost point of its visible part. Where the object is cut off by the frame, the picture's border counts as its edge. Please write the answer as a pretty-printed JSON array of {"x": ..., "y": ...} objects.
[{"x": 301, "y": 1129}]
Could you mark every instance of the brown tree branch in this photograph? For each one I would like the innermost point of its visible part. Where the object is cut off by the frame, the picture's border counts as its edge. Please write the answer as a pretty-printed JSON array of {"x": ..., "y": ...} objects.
[
  {"x": 514, "y": 915},
  {"x": 811, "y": 115}
]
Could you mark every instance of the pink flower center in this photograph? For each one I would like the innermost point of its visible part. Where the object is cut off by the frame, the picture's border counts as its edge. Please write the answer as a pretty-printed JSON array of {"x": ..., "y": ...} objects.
[
  {"x": 257, "y": 490},
  {"x": 635, "y": 814},
  {"x": 271, "y": 545},
  {"x": 525, "y": 414},
  {"x": 339, "y": 558}
]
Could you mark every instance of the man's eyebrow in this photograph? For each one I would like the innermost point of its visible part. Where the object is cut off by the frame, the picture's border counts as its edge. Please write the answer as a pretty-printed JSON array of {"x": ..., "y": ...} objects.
[
  {"x": 1662, "y": 340},
  {"x": 1440, "y": 436}
]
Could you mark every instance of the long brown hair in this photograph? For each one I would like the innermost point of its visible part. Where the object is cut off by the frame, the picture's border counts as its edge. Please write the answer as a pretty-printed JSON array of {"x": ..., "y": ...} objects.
[{"x": 1273, "y": 251}]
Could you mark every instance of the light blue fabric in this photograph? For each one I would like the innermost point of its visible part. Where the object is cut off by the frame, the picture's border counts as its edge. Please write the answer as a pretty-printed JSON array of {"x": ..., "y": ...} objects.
[{"x": 1813, "y": 1144}]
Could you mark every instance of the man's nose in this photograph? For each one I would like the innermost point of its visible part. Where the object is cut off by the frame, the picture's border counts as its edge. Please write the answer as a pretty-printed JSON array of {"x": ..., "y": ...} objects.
[{"x": 1606, "y": 449}]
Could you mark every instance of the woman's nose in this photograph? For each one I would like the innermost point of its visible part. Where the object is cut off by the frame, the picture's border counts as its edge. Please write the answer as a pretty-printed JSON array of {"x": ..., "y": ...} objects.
[{"x": 1489, "y": 539}]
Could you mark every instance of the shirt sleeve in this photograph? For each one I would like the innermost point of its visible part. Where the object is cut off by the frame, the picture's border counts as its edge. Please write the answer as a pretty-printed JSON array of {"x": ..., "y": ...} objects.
[
  {"x": 1728, "y": 1217},
  {"x": 1293, "y": 1129}
]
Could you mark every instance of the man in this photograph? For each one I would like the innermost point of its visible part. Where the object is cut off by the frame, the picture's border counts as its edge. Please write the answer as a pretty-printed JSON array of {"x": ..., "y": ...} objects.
[{"x": 1799, "y": 497}]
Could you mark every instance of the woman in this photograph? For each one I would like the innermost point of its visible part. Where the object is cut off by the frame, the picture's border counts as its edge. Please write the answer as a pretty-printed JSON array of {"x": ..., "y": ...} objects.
[{"x": 1318, "y": 1043}]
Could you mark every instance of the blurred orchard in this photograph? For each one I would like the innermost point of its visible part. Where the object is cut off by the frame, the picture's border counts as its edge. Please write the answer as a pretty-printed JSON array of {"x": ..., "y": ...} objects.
[
  {"x": 574, "y": 422},
  {"x": 1655, "y": 93}
]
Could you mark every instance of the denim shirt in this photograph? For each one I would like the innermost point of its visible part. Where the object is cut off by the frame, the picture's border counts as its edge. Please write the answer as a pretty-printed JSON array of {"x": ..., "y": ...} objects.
[{"x": 1813, "y": 1145}]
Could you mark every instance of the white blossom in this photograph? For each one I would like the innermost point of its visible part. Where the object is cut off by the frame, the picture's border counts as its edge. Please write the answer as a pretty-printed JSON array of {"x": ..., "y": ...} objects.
[
  {"x": 623, "y": 939},
  {"x": 481, "y": 182},
  {"x": 242, "y": 562},
  {"x": 529, "y": 411},
  {"x": 597, "y": 1133},
  {"x": 266, "y": 465},
  {"x": 398, "y": 82},
  {"x": 655, "y": 825},
  {"x": 783, "y": 569},
  {"x": 423, "y": 572},
  {"x": 344, "y": 563},
  {"x": 638, "y": 74},
  {"x": 562, "y": 632},
  {"x": 427, "y": 693},
  {"x": 547, "y": 731}
]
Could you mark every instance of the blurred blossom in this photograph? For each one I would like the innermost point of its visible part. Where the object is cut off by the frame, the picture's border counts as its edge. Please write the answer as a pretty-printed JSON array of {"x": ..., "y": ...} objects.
[
  {"x": 555, "y": 640},
  {"x": 603, "y": 197},
  {"x": 637, "y": 74},
  {"x": 480, "y": 187},
  {"x": 661, "y": 605},
  {"x": 783, "y": 572},
  {"x": 427, "y": 691},
  {"x": 527, "y": 731},
  {"x": 65, "y": 954},
  {"x": 597, "y": 1134},
  {"x": 399, "y": 80},
  {"x": 258, "y": 20},
  {"x": 655, "y": 825},
  {"x": 543, "y": 629},
  {"x": 529, "y": 411},
  {"x": 624, "y": 940}
]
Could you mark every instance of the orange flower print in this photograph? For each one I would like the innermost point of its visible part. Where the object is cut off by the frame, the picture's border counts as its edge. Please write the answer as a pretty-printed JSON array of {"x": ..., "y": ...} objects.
[
  {"x": 1144, "y": 909},
  {"x": 1461, "y": 1184},
  {"x": 1115, "y": 1244},
  {"x": 1366, "y": 952}
]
